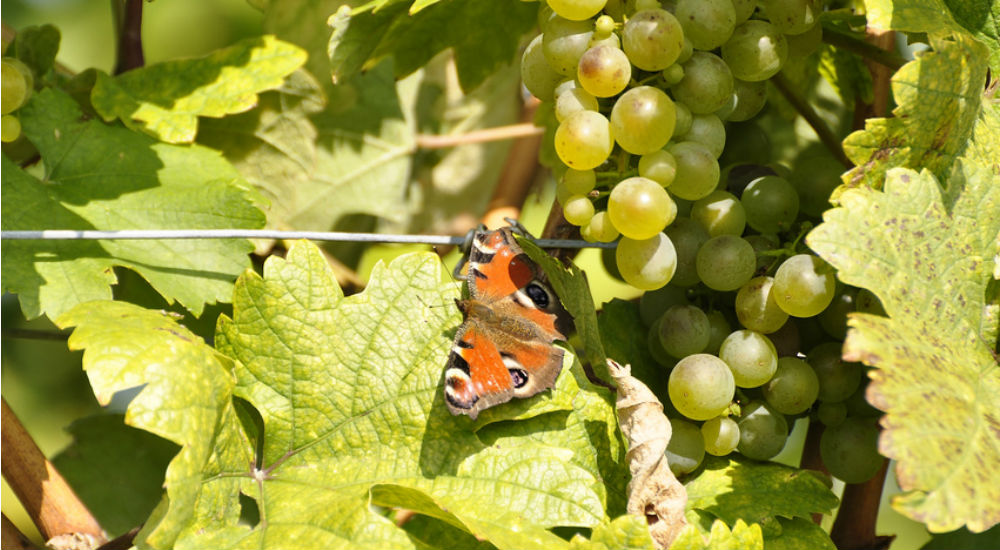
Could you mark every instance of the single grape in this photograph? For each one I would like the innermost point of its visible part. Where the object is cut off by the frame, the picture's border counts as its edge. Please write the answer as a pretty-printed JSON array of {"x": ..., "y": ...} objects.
[
  {"x": 701, "y": 386},
  {"x": 604, "y": 71},
  {"x": 564, "y": 42},
  {"x": 763, "y": 431},
  {"x": 688, "y": 237},
  {"x": 654, "y": 303},
  {"x": 802, "y": 45},
  {"x": 857, "y": 404},
  {"x": 655, "y": 348},
  {"x": 706, "y": 23},
  {"x": 601, "y": 228},
  {"x": 572, "y": 101},
  {"x": 578, "y": 210},
  {"x": 13, "y": 84},
  {"x": 697, "y": 170},
  {"x": 720, "y": 213},
  {"x": 833, "y": 319},
  {"x": 750, "y": 99},
  {"x": 725, "y": 262},
  {"x": 751, "y": 357},
  {"x": 604, "y": 26},
  {"x": 729, "y": 106},
  {"x": 653, "y": 39},
  {"x": 684, "y": 330},
  {"x": 756, "y": 308},
  {"x": 538, "y": 76},
  {"x": 579, "y": 182},
  {"x": 719, "y": 330},
  {"x": 707, "y": 84},
  {"x": 686, "y": 448},
  {"x": 658, "y": 166},
  {"x": 646, "y": 264},
  {"x": 673, "y": 74},
  {"x": 10, "y": 128},
  {"x": 756, "y": 51},
  {"x": 684, "y": 119},
  {"x": 850, "y": 450},
  {"x": 642, "y": 120},
  {"x": 577, "y": 10},
  {"x": 721, "y": 435},
  {"x": 771, "y": 204},
  {"x": 831, "y": 414},
  {"x": 794, "y": 387},
  {"x": 584, "y": 140},
  {"x": 639, "y": 208},
  {"x": 743, "y": 9},
  {"x": 792, "y": 16},
  {"x": 837, "y": 379},
  {"x": 804, "y": 285},
  {"x": 707, "y": 130}
]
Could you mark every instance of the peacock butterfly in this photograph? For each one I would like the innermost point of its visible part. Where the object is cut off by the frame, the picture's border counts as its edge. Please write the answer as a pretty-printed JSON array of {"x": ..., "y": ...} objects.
[{"x": 504, "y": 348}]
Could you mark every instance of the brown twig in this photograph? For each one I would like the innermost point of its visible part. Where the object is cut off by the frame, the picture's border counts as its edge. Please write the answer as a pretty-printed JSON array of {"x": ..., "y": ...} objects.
[
  {"x": 519, "y": 171},
  {"x": 881, "y": 80},
  {"x": 524, "y": 129},
  {"x": 825, "y": 134},
  {"x": 49, "y": 500},
  {"x": 811, "y": 458},
  {"x": 130, "y": 37},
  {"x": 855, "y": 523},
  {"x": 11, "y": 538}
]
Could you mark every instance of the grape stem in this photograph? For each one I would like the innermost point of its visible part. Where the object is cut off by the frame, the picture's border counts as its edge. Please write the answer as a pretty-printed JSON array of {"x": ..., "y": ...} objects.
[
  {"x": 787, "y": 251},
  {"x": 825, "y": 134},
  {"x": 512, "y": 131},
  {"x": 845, "y": 41}
]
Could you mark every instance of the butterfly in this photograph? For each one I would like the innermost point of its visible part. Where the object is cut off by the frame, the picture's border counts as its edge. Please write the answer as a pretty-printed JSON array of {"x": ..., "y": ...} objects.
[{"x": 504, "y": 348}]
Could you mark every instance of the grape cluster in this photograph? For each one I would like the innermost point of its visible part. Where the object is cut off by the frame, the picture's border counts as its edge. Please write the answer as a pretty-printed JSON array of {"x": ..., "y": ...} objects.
[
  {"x": 639, "y": 91},
  {"x": 17, "y": 83}
]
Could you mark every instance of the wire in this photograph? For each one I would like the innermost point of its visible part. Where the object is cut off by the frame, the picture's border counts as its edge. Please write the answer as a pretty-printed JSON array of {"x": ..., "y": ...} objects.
[{"x": 146, "y": 234}]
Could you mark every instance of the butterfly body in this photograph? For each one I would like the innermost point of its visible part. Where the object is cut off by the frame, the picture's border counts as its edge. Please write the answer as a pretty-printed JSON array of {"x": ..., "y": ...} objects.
[{"x": 504, "y": 348}]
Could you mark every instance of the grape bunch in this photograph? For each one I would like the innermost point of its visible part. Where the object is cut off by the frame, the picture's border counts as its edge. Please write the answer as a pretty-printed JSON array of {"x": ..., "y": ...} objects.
[
  {"x": 639, "y": 92},
  {"x": 17, "y": 82}
]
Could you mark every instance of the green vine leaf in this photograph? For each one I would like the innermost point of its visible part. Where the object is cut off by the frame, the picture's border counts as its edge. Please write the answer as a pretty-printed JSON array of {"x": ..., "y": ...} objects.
[
  {"x": 107, "y": 177},
  {"x": 349, "y": 392},
  {"x": 166, "y": 99},
  {"x": 799, "y": 534},
  {"x": 929, "y": 259},
  {"x": 939, "y": 99},
  {"x": 626, "y": 532},
  {"x": 483, "y": 34},
  {"x": 721, "y": 537}
]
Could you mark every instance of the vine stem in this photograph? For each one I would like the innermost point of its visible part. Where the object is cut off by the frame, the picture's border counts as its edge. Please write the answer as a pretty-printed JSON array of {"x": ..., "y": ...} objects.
[
  {"x": 49, "y": 500},
  {"x": 128, "y": 23},
  {"x": 825, "y": 134},
  {"x": 855, "y": 523},
  {"x": 840, "y": 39},
  {"x": 521, "y": 130}
]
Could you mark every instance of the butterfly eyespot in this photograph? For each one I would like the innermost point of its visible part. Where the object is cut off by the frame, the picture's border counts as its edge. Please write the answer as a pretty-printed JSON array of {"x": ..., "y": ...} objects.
[
  {"x": 519, "y": 377},
  {"x": 537, "y": 295}
]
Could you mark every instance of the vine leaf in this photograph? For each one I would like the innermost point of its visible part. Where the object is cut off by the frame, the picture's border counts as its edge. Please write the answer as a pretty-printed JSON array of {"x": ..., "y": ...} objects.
[
  {"x": 483, "y": 34},
  {"x": 929, "y": 259},
  {"x": 350, "y": 395},
  {"x": 939, "y": 99},
  {"x": 186, "y": 398},
  {"x": 628, "y": 532},
  {"x": 721, "y": 537},
  {"x": 939, "y": 17},
  {"x": 107, "y": 177},
  {"x": 799, "y": 534},
  {"x": 167, "y": 98}
]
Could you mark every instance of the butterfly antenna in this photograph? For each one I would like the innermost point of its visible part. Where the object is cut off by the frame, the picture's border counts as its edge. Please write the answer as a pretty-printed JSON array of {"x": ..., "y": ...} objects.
[{"x": 519, "y": 228}]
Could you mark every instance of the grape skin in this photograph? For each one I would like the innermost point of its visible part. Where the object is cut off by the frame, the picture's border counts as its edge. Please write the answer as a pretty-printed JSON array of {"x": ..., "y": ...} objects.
[
  {"x": 701, "y": 386},
  {"x": 584, "y": 140},
  {"x": 640, "y": 208},
  {"x": 643, "y": 119},
  {"x": 604, "y": 71},
  {"x": 646, "y": 264},
  {"x": 653, "y": 39}
]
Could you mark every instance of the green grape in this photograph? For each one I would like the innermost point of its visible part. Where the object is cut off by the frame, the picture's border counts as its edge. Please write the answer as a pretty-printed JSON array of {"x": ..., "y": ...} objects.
[
  {"x": 850, "y": 450},
  {"x": 653, "y": 39},
  {"x": 707, "y": 130},
  {"x": 725, "y": 262},
  {"x": 707, "y": 84},
  {"x": 658, "y": 166},
  {"x": 837, "y": 379},
  {"x": 610, "y": 41},
  {"x": 688, "y": 237},
  {"x": 803, "y": 44},
  {"x": 604, "y": 26},
  {"x": 794, "y": 387},
  {"x": 756, "y": 308},
  {"x": 579, "y": 182},
  {"x": 833, "y": 319},
  {"x": 684, "y": 119},
  {"x": 786, "y": 340},
  {"x": 604, "y": 71},
  {"x": 14, "y": 84},
  {"x": 815, "y": 174},
  {"x": 792, "y": 16},
  {"x": 584, "y": 140},
  {"x": 750, "y": 99},
  {"x": 646, "y": 264},
  {"x": 673, "y": 74},
  {"x": 729, "y": 107},
  {"x": 572, "y": 101},
  {"x": 719, "y": 330},
  {"x": 858, "y": 405},
  {"x": 760, "y": 244},
  {"x": 10, "y": 128},
  {"x": 640, "y": 5},
  {"x": 564, "y": 42},
  {"x": 654, "y": 303},
  {"x": 684, "y": 330},
  {"x": 831, "y": 414},
  {"x": 720, "y": 213},
  {"x": 721, "y": 435},
  {"x": 697, "y": 170},
  {"x": 683, "y": 206},
  {"x": 686, "y": 448},
  {"x": 771, "y": 204},
  {"x": 577, "y": 10},
  {"x": 536, "y": 73},
  {"x": 804, "y": 285},
  {"x": 756, "y": 51},
  {"x": 763, "y": 431},
  {"x": 655, "y": 348},
  {"x": 701, "y": 386},
  {"x": 639, "y": 208},
  {"x": 706, "y": 23},
  {"x": 642, "y": 120},
  {"x": 743, "y": 9},
  {"x": 869, "y": 303},
  {"x": 751, "y": 357},
  {"x": 686, "y": 50},
  {"x": 578, "y": 210}
]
